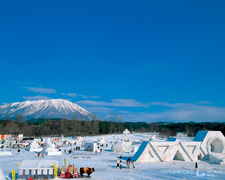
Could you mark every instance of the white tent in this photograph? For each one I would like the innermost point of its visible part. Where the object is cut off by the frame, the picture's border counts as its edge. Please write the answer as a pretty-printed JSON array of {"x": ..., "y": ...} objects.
[
  {"x": 36, "y": 164},
  {"x": 37, "y": 167}
]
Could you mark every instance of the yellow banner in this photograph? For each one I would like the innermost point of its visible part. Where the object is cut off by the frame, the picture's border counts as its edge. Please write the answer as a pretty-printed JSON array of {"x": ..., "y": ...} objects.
[
  {"x": 13, "y": 174},
  {"x": 64, "y": 162},
  {"x": 55, "y": 170}
]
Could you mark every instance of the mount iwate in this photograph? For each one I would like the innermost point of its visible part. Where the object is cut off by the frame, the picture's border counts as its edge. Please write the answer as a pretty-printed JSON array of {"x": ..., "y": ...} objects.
[{"x": 53, "y": 108}]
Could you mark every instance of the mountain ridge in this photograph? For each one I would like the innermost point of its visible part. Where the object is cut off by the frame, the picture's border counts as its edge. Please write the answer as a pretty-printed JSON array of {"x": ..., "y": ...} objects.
[{"x": 52, "y": 108}]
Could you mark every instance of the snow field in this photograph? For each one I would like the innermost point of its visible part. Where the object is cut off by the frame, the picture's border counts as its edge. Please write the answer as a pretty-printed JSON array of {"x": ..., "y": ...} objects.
[{"x": 105, "y": 162}]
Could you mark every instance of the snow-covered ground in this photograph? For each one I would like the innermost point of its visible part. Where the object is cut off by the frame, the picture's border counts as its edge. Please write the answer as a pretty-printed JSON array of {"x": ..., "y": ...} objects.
[{"x": 105, "y": 162}]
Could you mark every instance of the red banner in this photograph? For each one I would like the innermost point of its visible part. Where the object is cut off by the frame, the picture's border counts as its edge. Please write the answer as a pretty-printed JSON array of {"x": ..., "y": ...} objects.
[{"x": 2, "y": 137}]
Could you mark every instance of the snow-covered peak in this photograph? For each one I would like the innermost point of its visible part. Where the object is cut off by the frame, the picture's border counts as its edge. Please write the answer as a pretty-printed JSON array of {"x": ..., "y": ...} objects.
[{"x": 52, "y": 108}]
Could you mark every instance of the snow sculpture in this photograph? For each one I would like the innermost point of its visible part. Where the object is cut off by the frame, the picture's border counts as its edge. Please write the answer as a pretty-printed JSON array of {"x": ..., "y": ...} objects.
[
  {"x": 1, "y": 175},
  {"x": 80, "y": 139},
  {"x": 91, "y": 146},
  {"x": 119, "y": 146},
  {"x": 134, "y": 150},
  {"x": 3, "y": 152},
  {"x": 127, "y": 139},
  {"x": 215, "y": 145},
  {"x": 206, "y": 144},
  {"x": 101, "y": 140},
  {"x": 153, "y": 138},
  {"x": 125, "y": 145},
  {"x": 126, "y": 132},
  {"x": 63, "y": 139},
  {"x": 35, "y": 147},
  {"x": 51, "y": 149}
]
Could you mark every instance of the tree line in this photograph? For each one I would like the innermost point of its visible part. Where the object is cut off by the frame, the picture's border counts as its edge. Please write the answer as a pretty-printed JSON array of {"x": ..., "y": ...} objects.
[{"x": 57, "y": 127}]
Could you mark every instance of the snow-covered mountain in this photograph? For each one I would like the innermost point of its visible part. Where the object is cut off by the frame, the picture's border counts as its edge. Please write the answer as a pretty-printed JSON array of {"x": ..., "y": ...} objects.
[{"x": 53, "y": 108}]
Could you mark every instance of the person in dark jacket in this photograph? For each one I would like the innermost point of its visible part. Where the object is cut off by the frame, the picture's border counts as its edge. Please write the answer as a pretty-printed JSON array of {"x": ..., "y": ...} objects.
[
  {"x": 118, "y": 163},
  {"x": 196, "y": 166},
  {"x": 121, "y": 165}
]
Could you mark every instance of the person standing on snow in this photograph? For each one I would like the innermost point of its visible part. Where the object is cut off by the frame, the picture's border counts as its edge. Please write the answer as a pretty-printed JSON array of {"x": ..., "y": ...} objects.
[
  {"x": 118, "y": 163},
  {"x": 196, "y": 166},
  {"x": 133, "y": 164},
  {"x": 128, "y": 163},
  {"x": 121, "y": 164}
]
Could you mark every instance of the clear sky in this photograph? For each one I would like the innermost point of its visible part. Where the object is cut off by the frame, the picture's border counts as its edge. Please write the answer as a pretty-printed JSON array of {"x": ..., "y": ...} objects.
[{"x": 146, "y": 60}]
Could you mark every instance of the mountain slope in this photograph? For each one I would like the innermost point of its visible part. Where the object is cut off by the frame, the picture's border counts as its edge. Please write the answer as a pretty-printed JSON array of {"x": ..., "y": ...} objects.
[{"x": 53, "y": 108}]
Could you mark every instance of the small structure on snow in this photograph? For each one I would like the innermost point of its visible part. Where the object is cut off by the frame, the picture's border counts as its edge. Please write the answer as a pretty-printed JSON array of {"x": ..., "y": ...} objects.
[
  {"x": 35, "y": 147},
  {"x": 91, "y": 146},
  {"x": 37, "y": 168}
]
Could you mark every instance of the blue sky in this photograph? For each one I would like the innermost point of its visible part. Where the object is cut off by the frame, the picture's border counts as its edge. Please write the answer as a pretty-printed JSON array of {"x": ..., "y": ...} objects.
[{"x": 146, "y": 60}]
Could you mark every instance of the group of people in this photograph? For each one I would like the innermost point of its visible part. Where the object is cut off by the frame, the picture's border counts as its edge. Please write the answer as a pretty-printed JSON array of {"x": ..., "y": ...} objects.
[{"x": 128, "y": 161}]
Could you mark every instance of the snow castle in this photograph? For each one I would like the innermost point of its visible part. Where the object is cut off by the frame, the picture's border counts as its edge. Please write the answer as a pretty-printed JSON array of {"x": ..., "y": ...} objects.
[{"x": 125, "y": 145}]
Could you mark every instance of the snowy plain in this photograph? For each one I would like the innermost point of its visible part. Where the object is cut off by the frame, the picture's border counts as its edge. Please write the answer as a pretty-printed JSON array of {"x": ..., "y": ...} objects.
[{"x": 105, "y": 162}]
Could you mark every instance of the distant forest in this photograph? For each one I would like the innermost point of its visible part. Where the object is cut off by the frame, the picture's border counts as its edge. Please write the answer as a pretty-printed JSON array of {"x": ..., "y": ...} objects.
[{"x": 57, "y": 127}]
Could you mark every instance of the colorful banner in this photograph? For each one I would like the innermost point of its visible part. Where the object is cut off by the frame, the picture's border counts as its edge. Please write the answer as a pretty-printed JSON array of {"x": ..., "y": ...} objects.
[
  {"x": 55, "y": 170},
  {"x": 2, "y": 137}
]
